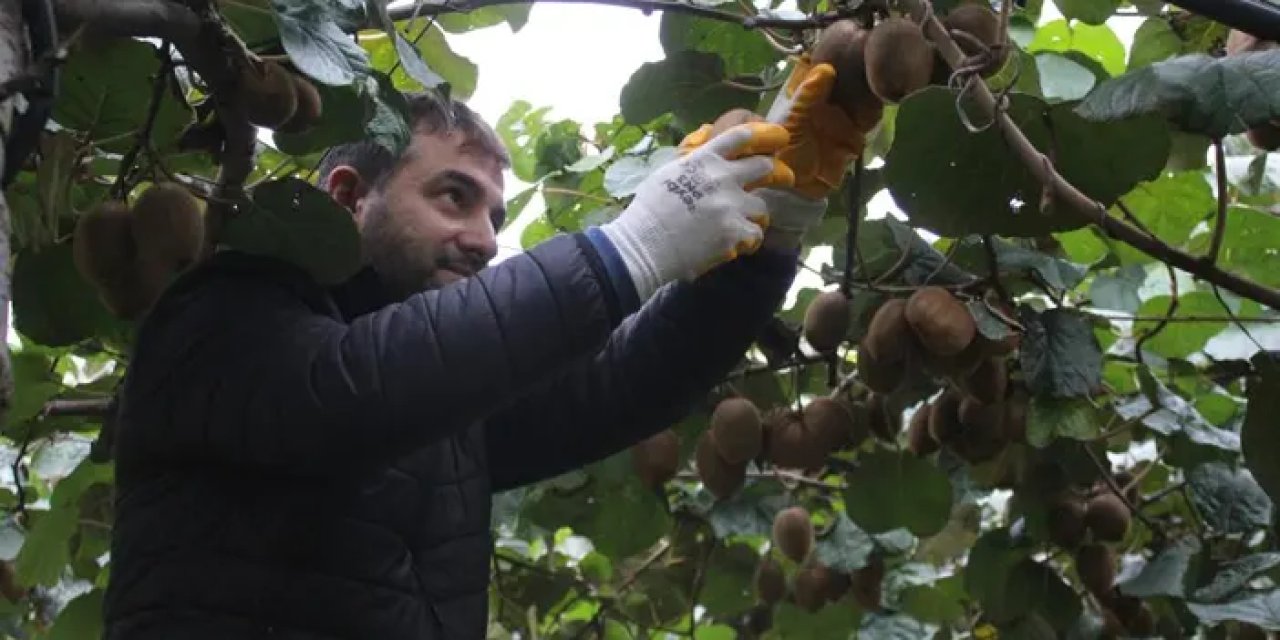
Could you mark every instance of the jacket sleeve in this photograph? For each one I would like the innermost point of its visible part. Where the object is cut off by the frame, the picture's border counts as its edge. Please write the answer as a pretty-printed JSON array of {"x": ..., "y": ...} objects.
[
  {"x": 245, "y": 371},
  {"x": 652, "y": 371}
]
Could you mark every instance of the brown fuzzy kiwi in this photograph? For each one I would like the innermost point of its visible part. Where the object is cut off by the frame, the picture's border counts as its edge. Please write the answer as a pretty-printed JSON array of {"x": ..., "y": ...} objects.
[
  {"x": 1015, "y": 415},
  {"x": 826, "y": 320},
  {"x": 866, "y": 584},
  {"x": 832, "y": 423},
  {"x": 944, "y": 417},
  {"x": 267, "y": 94},
  {"x": 989, "y": 382},
  {"x": 810, "y": 586},
  {"x": 982, "y": 431},
  {"x": 1142, "y": 624},
  {"x": 770, "y": 581},
  {"x": 1066, "y": 520},
  {"x": 737, "y": 430},
  {"x": 919, "y": 441},
  {"x": 1096, "y": 566},
  {"x": 889, "y": 338},
  {"x": 733, "y": 118},
  {"x": 838, "y": 583},
  {"x": 791, "y": 444},
  {"x": 656, "y": 458},
  {"x": 309, "y": 108},
  {"x": 1107, "y": 517},
  {"x": 958, "y": 366},
  {"x": 941, "y": 323},
  {"x": 721, "y": 478},
  {"x": 843, "y": 45},
  {"x": 102, "y": 246},
  {"x": 1265, "y": 136},
  {"x": 899, "y": 59},
  {"x": 168, "y": 227},
  {"x": 793, "y": 533},
  {"x": 9, "y": 586},
  {"x": 1124, "y": 480},
  {"x": 978, "y": 20},
  {"x": 878, "y": 376}
]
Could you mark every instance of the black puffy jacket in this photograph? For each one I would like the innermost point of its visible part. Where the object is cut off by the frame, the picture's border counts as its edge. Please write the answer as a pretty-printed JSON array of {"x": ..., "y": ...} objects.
[{"x": 295, "y": 462}]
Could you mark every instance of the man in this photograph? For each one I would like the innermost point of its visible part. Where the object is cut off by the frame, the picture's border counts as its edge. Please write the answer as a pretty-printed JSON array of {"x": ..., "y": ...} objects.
[{"x": 300, "y": 462}]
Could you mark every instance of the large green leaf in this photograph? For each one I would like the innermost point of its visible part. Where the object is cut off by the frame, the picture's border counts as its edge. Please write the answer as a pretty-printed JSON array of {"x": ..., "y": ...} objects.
[
  {"x": 1199, "y": 93},
  {"x": 1088, "y": 11},
  {"x": 293, "y": 221},
  {"x": 1166, "y": 574},
  {"x": 1049, "y": 418},
  {"x": 745, "y": 51},
  {"x": 1180, "y": 339},
  {"x": 1229, "y": 500},
  {"x": 46, "y": 548},
  {"x": 346, "y": 112},
  {"x": 1261, "y": 609},
  {"x": 519, "y": 126},
  {"x": 1174, "y": 416},
  {"x": 1170, "y": 207},
  {"x": 891, "y": 490},
  {"x": 56, "y": 307},
  {"x": 1260, "y": 433},
  {"x": 105, "y": 89},
  {"x": 991, "y": 565},
  {"x": 727, "y": 587},
  {"x": 845, "y": 547},
  {"x": 433, "y": 49},
  {"x": 313, "y": 36},
  {"x": 688, "y": 84},
  {"x": 515, "y": 15},
  {"x": 1097, "y": 42},
  {"x": 1060, "y": 355},
  {"x": 1153, "y": 42},
  {"x": 1250, "y": 246},
  {"x": 1233, "y": 576},
  {"x": 836, "y": 621},
  {"x": 954, "y": 182},
  {"x": 81, "y": 618}
]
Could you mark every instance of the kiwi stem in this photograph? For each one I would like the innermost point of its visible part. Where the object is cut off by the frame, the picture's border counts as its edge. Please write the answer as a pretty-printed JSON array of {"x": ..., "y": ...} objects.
[
  {"x": 1073, "y": 200},
  {"x": 142, "y": 137},
  {"x": 993, "y": 263},
  {"x": 851, "y": 231},
  {"x": 1173, "y": 308}
]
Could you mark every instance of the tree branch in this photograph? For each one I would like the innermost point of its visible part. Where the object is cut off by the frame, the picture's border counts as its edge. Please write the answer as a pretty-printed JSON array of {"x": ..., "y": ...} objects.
[
  {"x": 1072, "y": 199},
  {"x": 818, "y": 21},
  {"x": 92, "y": 407}
]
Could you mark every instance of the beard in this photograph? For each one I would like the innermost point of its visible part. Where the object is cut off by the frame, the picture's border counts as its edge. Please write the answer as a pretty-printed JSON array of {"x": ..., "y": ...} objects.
[{"x": 406, "y": 264}]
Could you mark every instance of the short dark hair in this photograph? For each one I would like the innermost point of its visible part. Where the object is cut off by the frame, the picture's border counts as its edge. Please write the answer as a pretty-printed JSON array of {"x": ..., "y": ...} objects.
[{"x": 429, "y": 113}]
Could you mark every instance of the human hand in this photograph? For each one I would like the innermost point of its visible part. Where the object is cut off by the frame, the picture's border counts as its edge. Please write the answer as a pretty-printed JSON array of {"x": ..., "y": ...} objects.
[{"x": 696, "y": 212}]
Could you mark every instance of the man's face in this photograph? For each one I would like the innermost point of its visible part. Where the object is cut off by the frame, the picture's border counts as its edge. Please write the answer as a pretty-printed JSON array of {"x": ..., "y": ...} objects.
[{"x": 435, "y": 220}]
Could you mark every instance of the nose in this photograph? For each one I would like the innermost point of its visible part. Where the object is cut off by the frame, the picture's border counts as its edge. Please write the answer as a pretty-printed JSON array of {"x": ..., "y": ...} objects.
[{"x": 479, "y": 240}]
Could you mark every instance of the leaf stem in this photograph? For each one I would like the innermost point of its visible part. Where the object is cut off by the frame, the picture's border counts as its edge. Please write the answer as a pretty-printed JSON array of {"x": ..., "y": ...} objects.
[{"x": 1220, "y": 225}]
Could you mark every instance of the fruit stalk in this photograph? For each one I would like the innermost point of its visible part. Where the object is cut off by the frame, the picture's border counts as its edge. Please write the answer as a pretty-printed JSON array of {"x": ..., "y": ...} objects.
[{"x": 1072, "y": 198}]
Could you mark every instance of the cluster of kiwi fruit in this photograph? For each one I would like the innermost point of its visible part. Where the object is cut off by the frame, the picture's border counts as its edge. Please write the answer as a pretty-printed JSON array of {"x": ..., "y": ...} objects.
[
  {"x": 810, "y": 584},
  {"x": 274, "y": 97},
  {"x": 892, "y": 59},
  {"x": 129, "y": 253},
  {"x": 980, "y": 411},
  {"x": 1265, "y": 136}
]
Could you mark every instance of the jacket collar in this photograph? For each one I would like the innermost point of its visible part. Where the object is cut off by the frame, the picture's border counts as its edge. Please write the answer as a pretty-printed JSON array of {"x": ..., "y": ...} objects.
[{"x": 364, "y": 292}]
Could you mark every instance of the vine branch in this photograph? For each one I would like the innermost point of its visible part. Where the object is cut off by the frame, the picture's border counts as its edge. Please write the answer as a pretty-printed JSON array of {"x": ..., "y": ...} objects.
[
  {"x": 748, "y": 22},
  {"x": 91, "y": 407}
]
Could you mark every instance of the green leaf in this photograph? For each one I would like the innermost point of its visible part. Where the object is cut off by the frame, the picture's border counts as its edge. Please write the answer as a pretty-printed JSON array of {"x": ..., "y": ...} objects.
[
  {"x": 1063, "y": 78},
  {"x": 990, "y": 568},
  {"x": 456, "y": 69},
  {"x": 845, "y": 547},
  {"x": 1175, "y": 416},
  {"x": 45, "y": 551},
  {"x": 54, "y": 306},
  {"x": 1260, "y": 433},
  {"x": 515, "y": 15},
  {"x": 1049, "y": 418},
  {"x": 935, "y": 604},
  {"x": 1262, "y": 609},
  {"x": 1180, "y": 339},
  {"x": 389, "y": 125},
  {"x": 519, "y": 127},
  {"x": 1035, "y": 587},
  {"x": 80, "y": 619},
  {"x": 1088, "y": 11},
  {"x": 688, "y": 84},
  {"x": 1165, "y": 574},
  {"x": 750, "y": 512},
  {"x": 1229, "y": 500},
  {"x": 626, "y": 173},
  {"x": 536, "y": 232},
  {"x": 1097, "y": 42},
  {"x": 878, "y": 626},
  {"x": 315, "y": 41},
  {"x": 105, "y": 89},
  {"x": 1153, "y": 42},
  {"x": 346, "y": 112},
  {"x": 556, "y": 147},
  {"x": 954, "y": 182},
  {"x": 1170, "y": 206},
  {"x": 1199, "y": 93},
  {"x": 836, "y": 621},
  {"x": 727, "y": 588},
  {"x": 889, "y": 490},
  {"x": 1060, "y": 355},
  {"x": 745, "y": 51},
  {"x": 1233, "y": 576},
  {"x": 1248, "y": 246},
  {"x": 1118, "y": 290},
  {"x": 293, "y": 221}
]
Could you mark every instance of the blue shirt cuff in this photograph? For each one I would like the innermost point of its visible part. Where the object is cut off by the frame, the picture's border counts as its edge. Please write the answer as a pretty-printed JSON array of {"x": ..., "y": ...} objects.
[{"x": 619, "y": 275}]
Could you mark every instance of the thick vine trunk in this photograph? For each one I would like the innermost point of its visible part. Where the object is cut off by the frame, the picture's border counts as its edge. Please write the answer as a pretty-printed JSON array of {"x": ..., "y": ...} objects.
[{"x": 13, "y": 59}]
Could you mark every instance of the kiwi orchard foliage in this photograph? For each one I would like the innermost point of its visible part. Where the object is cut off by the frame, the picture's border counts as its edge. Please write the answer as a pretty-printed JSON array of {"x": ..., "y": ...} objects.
[{"x": 1027, "y": 428}]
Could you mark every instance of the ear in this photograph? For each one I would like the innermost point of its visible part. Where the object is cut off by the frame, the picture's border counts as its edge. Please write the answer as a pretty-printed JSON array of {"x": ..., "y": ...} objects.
[{"x": 346, "y": 187}]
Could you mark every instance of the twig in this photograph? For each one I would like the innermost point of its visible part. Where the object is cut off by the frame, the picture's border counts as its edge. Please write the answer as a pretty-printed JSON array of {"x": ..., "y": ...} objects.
[
  {"x": 1239, "y": 324},
  {"x": 780, "y": 475},
  {"x": 854, "y": 217},
  {"x": 993, "y": 261},
  {"x": 798, "y": 361},
  {"x": 1162, "y": 494},
  {"x": 1220, "y": 225},
  {"x": 1190, "y": 319},
  {"x": 143, "y": 135},
  {"x": 1173, "y": 308},
  {"x": 1076, "y": 202}
]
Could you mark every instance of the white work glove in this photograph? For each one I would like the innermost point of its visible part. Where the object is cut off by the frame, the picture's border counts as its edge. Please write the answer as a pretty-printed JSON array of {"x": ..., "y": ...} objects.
[
  {"x": 791, "y": 215},
  {"x": 695, "y": 212}
]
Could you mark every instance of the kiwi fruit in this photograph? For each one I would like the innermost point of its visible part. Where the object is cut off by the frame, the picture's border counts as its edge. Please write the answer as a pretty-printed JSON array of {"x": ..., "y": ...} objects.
[
  {"x": 944, "y": 417},
  {"x": 889, "y": 338},
  {"x": 736, "y": 429},
  {"x": 102, "y": 245},
  {"x": 989, "y": 382},
  {"x": 838, "y": 583},
  {"x": 810, "y": 586},
  {"x": 793, "y": 445},
  {"x": 168, "y": 227},
  {"x": 866, "y": 584},
  {"x": 826, "y": 320},
  {"x": 1265, "y": 136},
  {"x": 1142, "y": 624},
  {"x": 877, "y": 375},
  {"x": 831, "y": 423},
  {"x": 1096, "y": 566},
  {"x": 1015, "y": 415},
  {"x": 919, "y": 441},
  {"x": 310, "y": 106},
  {"x": 1066, "y": 520},
  {"x": 9, "y": 586},
  {"x": 721, "y": 478},
  {"x": 843, "y": 45},
  {"x": 1107, "y": 517},
  {"x": 978, "y": 20},
  {"x": 656, "y": 458},
  {"x": 770, "y": 581},
  {"x": 267, "y": 94},
  {"x": 793, "y": 533},
  {"x": 981, "y": 435},
  {"x": 942, "y": 324},
  {"x": 899, "y": 59},
  {"x": 733, "y": 118}
]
